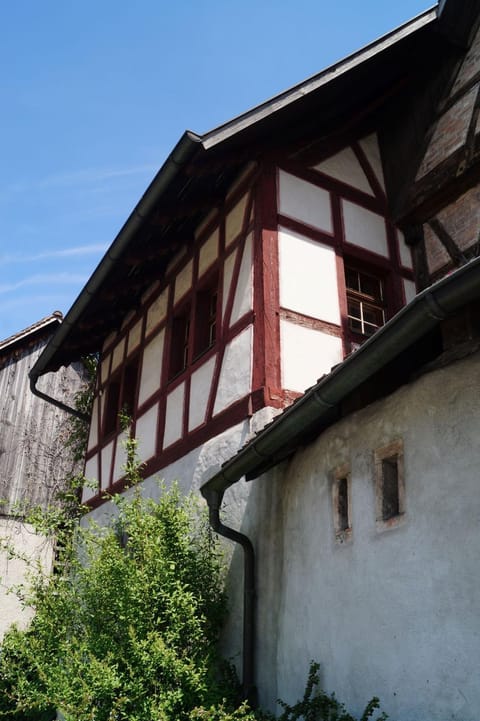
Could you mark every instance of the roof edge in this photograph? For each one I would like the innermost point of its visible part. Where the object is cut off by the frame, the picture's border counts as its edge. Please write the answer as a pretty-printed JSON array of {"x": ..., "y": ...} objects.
[
  {"x": 408, "y": 325},
  {"x": 180, "y": 155},
  {"x": 332, "y": 72}
]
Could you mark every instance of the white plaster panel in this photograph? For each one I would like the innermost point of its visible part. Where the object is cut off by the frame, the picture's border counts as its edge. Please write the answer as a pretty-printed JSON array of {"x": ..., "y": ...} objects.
[
  {"x": 234, "y": 220},
  {"x": 410, "y": 290},
  {"x": 304, "y": 201},
  {"x": 244, "y": 290},
  {"x": 151, "y": 367},
  {"x": 134, "y": 337},
  {"x": 176, "y": 258},
  {"x": 227, "y": 279},
  {"x": 203, "y": 224},
  {"x": 146, "y": 433},
  {"x": 364, "y": 228},
  {"x": 91, "y": 474},
  {"x": 236, "y": 373},
  {"x": 106, "y": 461},
  {"x": 404, "y": 250},
  {"x": 306, "y": 355},
  {"x": 157, "y": 311},
  {"x": 120, "y": 456},
  {"x": 93, "y": 433},
  {"x": 104, "y": 368},
  {"x": 183, "y": 282},
  {"x": 239, "y": 179},
  {"x": 109, "y": 339},
  {"x": 200, "y": 388},
  {"x": 127, "y": 319},
  {"x": 344, "y": 166},
  {"x": 208, "y": 253},
  {"x": 174, "y": 416},
  {"x": 118, "y": 354},
  {"x": 371, "y": 149},
  {"x": 308, "y": 277}
]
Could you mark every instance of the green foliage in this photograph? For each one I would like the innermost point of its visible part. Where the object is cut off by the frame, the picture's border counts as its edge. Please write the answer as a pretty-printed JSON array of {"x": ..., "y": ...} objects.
[
  {"x": 317, "y": 705},
  {"x": 128, "y": 630}
]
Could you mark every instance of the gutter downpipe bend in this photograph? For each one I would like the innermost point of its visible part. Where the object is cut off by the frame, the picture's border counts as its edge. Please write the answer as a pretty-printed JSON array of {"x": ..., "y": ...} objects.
[
  {"x": 54, "y": 402},
  {"x": 214, "y": 500}
]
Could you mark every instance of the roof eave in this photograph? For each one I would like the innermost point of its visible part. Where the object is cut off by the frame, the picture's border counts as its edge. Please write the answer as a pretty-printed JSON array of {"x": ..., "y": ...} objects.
[{"x": 409, "y": 325}]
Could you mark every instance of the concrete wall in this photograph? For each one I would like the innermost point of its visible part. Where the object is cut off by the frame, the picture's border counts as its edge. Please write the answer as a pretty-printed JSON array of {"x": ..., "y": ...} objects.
[{"x": 392, "y": 613}]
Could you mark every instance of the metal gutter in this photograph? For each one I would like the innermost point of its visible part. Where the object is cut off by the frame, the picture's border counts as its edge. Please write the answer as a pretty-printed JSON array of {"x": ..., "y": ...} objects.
[
  {"x": 180, "y": 155},
  {"x": 330, "y": 74},
  {"x": 411, "y": 323}
]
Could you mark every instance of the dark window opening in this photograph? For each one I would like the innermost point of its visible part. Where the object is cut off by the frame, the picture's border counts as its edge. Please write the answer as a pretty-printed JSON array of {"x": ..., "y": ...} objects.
[
  {"x": 129, "y": 391},
  {"x": 205, "y": 319},
  {"x": 111, "y": 407},
  {"x": 390, "y": 488},
  {"x": 179, "y": 343},
  {"x": 343, "y": 521},
  {"x": 365, "y": 301}
]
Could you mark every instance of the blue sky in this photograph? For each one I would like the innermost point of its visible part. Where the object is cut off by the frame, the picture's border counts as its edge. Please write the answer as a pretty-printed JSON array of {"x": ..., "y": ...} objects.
[{"x": 95, "y": 95}]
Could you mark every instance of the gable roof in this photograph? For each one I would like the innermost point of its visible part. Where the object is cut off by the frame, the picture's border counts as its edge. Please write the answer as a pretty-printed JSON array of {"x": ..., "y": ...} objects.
[
  {"x": 199, "y": 169},
  {"x": 27, "y": 335}
]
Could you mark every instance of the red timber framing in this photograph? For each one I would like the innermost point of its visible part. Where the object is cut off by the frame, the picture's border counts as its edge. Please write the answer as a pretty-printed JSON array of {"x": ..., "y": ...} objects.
[
  {"x": 389, "y": 270},
  {"x": 201, "y": 344},
  {"x": 190, "y": 339}
]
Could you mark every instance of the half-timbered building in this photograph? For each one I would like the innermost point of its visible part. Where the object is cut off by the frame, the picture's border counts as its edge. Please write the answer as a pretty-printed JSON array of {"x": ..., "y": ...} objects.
[{"x": 263, "y": 255}]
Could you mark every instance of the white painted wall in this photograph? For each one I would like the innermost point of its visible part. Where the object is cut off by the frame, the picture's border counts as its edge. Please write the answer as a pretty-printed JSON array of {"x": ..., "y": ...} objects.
[
  {"x": 303, "y": 201},
  {"x": 345, "y": 167},
  {"x": 200, "y": 388},
  {"x": 364, "y": 228},
  {"x": 174, "y": 416},
  {"x": 308, "y": 277},
  {"x": 306, "y": 355},
  {"x": 151, "y": 367},
  {"x": 236, "y": 374},
  {"x": 392, "y": 613}
]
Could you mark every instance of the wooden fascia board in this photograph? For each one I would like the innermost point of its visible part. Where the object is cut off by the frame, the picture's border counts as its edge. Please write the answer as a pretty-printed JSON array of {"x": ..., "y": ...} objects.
[{"x": 316, "y": 82}]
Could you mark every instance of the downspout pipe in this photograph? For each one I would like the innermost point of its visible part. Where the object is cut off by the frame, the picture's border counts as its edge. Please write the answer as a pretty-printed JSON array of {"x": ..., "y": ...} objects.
[
  {"x": 55, "y": 402},
  {"x": 214, "y": 501}
]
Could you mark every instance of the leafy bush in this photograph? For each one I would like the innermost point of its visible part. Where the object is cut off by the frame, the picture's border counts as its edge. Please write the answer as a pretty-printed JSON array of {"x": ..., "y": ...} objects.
[{"x": 128, "y": 629}]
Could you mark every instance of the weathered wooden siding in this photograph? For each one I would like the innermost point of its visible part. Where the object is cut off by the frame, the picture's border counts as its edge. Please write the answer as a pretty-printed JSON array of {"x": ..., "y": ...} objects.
[{"x": 33, "y": 433}]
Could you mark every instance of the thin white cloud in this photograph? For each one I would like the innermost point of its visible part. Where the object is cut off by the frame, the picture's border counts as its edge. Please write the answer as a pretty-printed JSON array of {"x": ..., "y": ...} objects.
[
  {"x": 92, "y": 175},
  {"x": 79, "y": 251},
  {"x": 44, "y": 279}
]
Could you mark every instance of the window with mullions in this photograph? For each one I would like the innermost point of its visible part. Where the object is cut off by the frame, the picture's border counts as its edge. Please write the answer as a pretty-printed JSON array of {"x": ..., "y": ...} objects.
[
  {"x": 121, "y": 396},
  {"x": 194, "y": 329},
  {"x": 365, "y": 301}
]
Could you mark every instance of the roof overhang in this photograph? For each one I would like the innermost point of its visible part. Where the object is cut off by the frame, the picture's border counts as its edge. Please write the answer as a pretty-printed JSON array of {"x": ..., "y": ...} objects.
[
  {"x": 321, "y": 406},
  {"x": 206, "y": 165}
]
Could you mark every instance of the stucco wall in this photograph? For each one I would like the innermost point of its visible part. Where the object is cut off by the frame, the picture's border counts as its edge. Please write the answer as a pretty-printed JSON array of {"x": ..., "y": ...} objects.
[{"x": 391, "y": 613}]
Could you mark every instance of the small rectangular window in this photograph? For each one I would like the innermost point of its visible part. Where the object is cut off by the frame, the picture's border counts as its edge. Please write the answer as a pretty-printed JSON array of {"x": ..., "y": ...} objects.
[
  {"x": 129, "y": 388},
  {"x": 179, "y": 343},
  {"x": 341, "y": 502},
  {"x": 111, "y": 407},
  {"x": 389, "y": 485},
  {"x": 365, "y": 301},
  {"x": 205, "y": 319}
]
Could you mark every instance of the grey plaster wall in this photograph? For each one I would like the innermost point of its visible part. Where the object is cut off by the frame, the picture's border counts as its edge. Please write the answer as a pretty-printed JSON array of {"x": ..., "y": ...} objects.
[{"x": 392, "y": 613}]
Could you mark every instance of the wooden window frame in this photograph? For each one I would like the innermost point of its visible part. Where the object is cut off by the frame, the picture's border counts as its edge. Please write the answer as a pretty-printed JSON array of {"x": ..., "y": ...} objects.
[
  {"x": 194, "y": 328},
  {"x": 376, "y": 302},
  {"x": 121, "y": 395}
]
